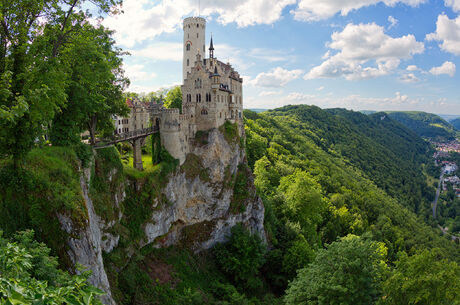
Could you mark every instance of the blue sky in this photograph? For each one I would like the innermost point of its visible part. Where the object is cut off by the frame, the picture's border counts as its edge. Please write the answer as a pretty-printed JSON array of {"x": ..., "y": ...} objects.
[{"x": 354, "y": 54}]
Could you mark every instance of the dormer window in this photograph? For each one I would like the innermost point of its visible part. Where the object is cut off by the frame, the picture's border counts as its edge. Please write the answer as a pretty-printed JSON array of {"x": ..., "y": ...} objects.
[{"x": 204, "y": 112}]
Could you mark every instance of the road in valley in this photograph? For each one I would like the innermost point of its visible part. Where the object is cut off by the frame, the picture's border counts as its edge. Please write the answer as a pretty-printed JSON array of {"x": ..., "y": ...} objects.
[{"x": 438, "y": 192}]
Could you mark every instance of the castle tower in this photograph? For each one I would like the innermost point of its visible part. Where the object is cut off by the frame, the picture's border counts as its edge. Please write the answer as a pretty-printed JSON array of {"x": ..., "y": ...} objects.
[{"x": 194, "y": 42}]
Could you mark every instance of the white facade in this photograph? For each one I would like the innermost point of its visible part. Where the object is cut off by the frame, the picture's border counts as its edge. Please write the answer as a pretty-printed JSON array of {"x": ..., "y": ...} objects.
[{"x": 194, "y": 42}]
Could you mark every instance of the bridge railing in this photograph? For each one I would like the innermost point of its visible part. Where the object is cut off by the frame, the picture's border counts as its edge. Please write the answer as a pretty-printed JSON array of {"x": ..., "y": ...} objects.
[{"x": 128, "y": 135}]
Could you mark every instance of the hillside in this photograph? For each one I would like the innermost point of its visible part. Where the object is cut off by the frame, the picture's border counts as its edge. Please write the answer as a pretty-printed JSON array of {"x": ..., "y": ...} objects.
[
  {"x": 425, "y": 125},
  {"x": 456, "y": 123},
  {"x": 361, "y": 174}
]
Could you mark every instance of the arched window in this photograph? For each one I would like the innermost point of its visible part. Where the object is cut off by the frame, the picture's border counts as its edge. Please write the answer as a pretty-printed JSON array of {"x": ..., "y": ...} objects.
[
  {"x": 188, "y": 47},
  {"x": 204, "y": 112},
  {"x": 197, "y": 25}
]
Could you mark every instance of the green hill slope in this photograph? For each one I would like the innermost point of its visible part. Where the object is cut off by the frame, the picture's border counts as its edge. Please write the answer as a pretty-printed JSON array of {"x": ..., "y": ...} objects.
[
  {"x": 324, "y": 174},
  {"x": 425, "y": 124},
  {"x": 456, "y": 123}
]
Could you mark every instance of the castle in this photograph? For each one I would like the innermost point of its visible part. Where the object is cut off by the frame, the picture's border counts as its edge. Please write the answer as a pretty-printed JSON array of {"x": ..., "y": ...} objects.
[{"x": 212, "y": 93}]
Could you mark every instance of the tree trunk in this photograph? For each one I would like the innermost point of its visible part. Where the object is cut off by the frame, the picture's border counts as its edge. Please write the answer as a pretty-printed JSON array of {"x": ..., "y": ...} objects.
[{"x": 92, "y": 129}]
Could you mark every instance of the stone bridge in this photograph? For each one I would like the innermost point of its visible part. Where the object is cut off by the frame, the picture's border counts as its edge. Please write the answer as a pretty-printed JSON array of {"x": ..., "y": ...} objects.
[{"x": 136, "y": 138}]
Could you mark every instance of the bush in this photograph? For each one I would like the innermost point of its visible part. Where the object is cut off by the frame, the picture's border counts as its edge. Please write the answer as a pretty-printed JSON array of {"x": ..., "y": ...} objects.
[{"x": 241, "y": 258}]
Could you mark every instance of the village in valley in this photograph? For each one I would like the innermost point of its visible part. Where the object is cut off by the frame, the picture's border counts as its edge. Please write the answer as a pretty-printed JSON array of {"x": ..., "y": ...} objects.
[
  {"x": 444, "y": 157},
  {"x": 446, "y": 206}
]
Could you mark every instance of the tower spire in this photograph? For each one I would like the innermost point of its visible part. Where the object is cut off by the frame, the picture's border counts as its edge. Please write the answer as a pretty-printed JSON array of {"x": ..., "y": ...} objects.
[{"x": 211, "y": 49}]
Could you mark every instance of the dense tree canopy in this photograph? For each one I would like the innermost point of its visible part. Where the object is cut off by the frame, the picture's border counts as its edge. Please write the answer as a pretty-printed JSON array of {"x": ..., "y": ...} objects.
[
  {"x": 95, "y": 87},
  {"x": 348, "y": 272},
  {"x": 174, "y": 98},
  {"x": 33, "y": 68}
]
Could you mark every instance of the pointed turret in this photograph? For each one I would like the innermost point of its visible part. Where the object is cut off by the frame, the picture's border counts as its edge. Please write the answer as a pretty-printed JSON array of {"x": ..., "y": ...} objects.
[
  {"x": 211, "y": 49},
  {"x": 215, "y": 79}
]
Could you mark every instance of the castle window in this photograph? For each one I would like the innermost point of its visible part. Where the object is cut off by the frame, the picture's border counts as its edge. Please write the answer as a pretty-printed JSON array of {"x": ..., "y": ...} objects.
[
  {"x": 197, "y": 25},
  {"x": 188, "y": 62},
  {"x": 198, "y": 98},
  {"x": 204, "y": 112},
  {"x": 197, "y": 35},
  {"x": 220, "y": 114},
  {"x": 187, "y": 47}
]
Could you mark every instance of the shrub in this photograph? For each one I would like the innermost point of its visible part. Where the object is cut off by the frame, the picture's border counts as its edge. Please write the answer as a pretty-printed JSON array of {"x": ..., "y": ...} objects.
[{"x": 241, "y": 257}]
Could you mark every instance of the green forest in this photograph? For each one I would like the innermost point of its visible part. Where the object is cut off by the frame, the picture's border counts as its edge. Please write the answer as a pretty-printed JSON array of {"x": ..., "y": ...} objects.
[
  {"x": 426, "y": 125},
  {"x": 347, "y": 196}
]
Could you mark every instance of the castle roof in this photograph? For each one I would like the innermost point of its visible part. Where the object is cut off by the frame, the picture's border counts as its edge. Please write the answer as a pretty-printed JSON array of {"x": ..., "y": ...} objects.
[
  {"x": 129, "y": 102},
  {"x": 211, "y": 47}
]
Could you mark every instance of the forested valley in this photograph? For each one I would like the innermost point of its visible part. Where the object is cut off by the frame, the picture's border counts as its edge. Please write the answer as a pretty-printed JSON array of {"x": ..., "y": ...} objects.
[{"x": 347, "y": 196}]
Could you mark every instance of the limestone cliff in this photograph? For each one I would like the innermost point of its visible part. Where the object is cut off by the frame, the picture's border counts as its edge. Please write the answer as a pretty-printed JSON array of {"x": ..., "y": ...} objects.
[{"x": 193, "y": 205}]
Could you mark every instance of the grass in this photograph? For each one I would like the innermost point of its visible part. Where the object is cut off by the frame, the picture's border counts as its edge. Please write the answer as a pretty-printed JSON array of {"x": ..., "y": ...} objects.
[
  {"x": 106, "y": 181},
  {"x": 230, "y": 132},
  {"x": 193, "y": 167},
  {"x": 31, "y": 197}
]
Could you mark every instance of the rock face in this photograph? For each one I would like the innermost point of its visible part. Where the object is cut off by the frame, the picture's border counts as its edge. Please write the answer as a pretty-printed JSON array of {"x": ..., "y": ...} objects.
[
  {"x": 201, "y": 211},
  {"x": 86, "y": 248},
  {"x": 196, "y": 208}
]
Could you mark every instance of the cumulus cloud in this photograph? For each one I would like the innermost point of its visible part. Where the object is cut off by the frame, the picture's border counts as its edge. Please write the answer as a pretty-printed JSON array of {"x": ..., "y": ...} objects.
[
  {"x": 313, "y": 10},
  {"x": 270, "y": 93},
  {"x": 446, "y": 68},
  {"x": 393, "y": 22},
  {"x": 409, "y": 78},
  {"x": 365, "y": 51},
  {"x": 143, "y": 20},
  {"x": 454, "y": 4},
  {"x": 136, "y": 72},
  {"x": 277, "y": 77},
  {"x": 161, "y": 51},
  {"x": 448, "y": 33},
  {"x": 412, "y": 68}
]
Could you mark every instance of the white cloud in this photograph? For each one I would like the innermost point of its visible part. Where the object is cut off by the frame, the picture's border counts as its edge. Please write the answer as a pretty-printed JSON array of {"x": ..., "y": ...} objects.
[
  {"x": 143, "y": 20},
  {"x": 313, "y": 10},
  {"x": 365, "y": 51},
  {"x": 446, "y": 68},
  {"x": 448, "y": 33},
  {"x": 320, "y": 88},
  {"x": 136, "y": 72},
  {"x": 454, "y": 4},
  {"x": 277, "y": 77},
  {"x": 412, "y": 68},
  {"x": 409, "y": 78},
  {"x": 393, "y": 22},
  {"x": 270, "y": 93},
  {"x": 147, "y": 89},
  {"x": 161, "y": 51}
]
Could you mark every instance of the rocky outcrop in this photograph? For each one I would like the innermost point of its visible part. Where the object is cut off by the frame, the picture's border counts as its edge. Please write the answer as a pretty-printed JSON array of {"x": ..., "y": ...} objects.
[
  {"x": 85, "y": 244},
  {"x": 201, "y": 211},
  {"x": 196, "y": 207}
]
